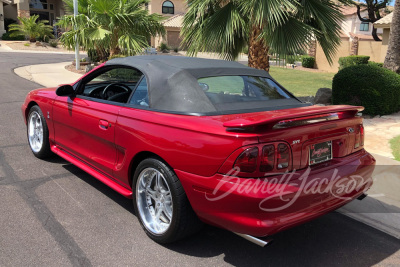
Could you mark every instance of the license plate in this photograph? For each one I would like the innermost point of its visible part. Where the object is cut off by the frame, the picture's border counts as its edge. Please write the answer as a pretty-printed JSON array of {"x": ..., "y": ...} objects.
[{"x": 320, "y": 152}]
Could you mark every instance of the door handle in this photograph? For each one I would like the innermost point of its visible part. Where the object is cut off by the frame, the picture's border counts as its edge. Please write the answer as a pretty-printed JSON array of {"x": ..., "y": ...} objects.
[{"x": 103, "y": 124}]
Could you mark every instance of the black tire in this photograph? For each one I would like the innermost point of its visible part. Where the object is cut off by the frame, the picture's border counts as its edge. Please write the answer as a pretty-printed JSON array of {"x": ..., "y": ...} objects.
[
  {"x": 184, "y": 221},
  {"x": 44, "y": 150}
]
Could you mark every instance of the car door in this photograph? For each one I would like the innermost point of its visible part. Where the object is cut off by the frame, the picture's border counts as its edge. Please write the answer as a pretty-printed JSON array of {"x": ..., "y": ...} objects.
[{"x": 84, "y": 125}]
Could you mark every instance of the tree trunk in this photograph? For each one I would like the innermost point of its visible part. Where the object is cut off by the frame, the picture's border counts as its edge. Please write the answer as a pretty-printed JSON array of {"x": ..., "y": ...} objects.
[
  {"x": 258, "y": 51},
  {"x": 392, "y": 60},
  {"x": 114, "y": 49}
]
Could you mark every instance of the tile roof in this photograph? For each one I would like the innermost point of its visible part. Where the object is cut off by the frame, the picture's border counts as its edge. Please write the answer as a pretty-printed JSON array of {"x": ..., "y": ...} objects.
[
  {"x": 174, "y": 21},
  {"x": 384, "y": 22},
  {"x": 349, "y": 10}
]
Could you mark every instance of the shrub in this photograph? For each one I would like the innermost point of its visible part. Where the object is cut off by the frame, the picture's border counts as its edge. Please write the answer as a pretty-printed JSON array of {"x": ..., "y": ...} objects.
[
  {"x": 116, "y": 56},
  {"x": 352, "y": 60},
  {"x": 43, "y": 39},
  {"x": 6, "y": 37},
  {"x": 308, "y": 62},
  {"x": 375, "y": 64},
  {"x": 93, "y": 56},
  {"x": 8, "y": 22},
  {"x": 98, "y": 55},
  {"x": 27, "y": 44},
  {"x": 290, "y": 60},
  {"x": 246, "y": 50},
  {"x": 164, "y": 47},
  {"x": 375, "y": 88},
  {"x": 53, "y": 43},
  {"x": 176, "y": 49},
  {"x": 32, "y": 28}
]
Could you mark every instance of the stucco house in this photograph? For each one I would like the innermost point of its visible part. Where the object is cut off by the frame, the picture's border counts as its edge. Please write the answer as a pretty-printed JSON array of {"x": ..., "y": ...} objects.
[
  {"x": 384, "y": 24},
  {"x": 46, "y": 9},
  {"x": 174, "y": 11},
  {"x": 50, "y": 10},
  {"x": 352, "y": 26}
]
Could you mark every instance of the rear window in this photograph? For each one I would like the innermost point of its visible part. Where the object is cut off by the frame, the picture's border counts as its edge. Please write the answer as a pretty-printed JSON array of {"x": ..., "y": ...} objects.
[{"x": 236, "y": 89}]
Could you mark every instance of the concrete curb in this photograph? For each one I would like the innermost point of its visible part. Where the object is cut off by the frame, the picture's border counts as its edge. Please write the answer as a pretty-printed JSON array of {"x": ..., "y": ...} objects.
[
  {"x": 48, "y": 75},
  {"x": 7, "y": 49}
]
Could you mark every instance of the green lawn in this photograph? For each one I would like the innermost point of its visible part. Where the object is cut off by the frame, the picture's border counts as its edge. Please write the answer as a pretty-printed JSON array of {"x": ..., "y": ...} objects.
[
  {"x": 302, "y": 83},
  {"x": 395, "y": 145}
]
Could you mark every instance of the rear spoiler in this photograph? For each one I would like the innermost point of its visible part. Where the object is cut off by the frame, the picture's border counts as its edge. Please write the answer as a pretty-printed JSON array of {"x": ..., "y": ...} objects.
[{"x": 292, "y": 117}]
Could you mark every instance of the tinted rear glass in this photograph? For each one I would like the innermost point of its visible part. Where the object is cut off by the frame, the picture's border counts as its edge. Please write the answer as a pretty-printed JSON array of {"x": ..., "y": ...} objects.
[{"x": 238, "y": 89}]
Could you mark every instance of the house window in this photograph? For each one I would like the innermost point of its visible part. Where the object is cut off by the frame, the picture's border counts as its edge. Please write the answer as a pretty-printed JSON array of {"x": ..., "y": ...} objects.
[
  {"x": 168, "y": 7},
  {"x": 38, "y": 4},
  {"x": 364, "y": 26}
]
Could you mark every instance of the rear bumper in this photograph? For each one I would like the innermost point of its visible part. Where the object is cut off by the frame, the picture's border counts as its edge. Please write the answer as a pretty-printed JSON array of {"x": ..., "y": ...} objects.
[{"x": 262, "y": 207}]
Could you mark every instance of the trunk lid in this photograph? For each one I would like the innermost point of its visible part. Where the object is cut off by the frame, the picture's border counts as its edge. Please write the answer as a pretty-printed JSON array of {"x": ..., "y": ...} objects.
[{"x": 307, "y": 130}]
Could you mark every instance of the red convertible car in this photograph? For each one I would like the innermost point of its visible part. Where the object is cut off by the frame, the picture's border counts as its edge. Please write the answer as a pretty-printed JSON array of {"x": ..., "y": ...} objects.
[{"x": 196, "y": 140}]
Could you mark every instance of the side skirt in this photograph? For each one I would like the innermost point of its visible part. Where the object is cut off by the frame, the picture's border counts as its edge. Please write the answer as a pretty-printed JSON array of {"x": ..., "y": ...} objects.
[{"x": 98, "y": 175}]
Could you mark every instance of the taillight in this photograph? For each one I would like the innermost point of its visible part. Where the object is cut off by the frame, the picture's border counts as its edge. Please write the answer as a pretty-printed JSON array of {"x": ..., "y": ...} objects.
[
  {"x": 359, "y": 137},
  {"x": 283, "y": 157},
  {"x": 362, "y": 135},
  {"x": 267, "y": 158},
  {"x": 261, "y": 160},
  {"x": 247, "y": 161}
]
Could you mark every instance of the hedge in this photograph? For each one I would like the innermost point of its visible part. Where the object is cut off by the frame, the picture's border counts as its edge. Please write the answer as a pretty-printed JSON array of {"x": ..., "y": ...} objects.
[
  {"x": 368, "y": 85},
  {"x": 308, "y": 62},
  {"x": 6, "y": 37},
  {"x": 352, "y": 60}
]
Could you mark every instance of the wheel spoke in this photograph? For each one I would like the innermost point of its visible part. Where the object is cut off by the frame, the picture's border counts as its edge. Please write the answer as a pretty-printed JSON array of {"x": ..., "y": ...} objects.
[
  {"x": 166, "y": 213},
  {"x": 158, "y": 182},
  {"x": 154, "y": 201},
  {"x": 151, "y": 193},
  {"x": 158, "y": 213}
]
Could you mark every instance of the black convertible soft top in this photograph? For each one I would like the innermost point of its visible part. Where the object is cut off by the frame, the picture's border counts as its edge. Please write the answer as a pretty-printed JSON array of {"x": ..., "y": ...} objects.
[{"x": 172, "y": 81}]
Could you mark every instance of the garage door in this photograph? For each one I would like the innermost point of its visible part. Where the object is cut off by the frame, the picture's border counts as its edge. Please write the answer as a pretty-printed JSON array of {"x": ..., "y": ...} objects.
[{"x": 173, "y": 39}]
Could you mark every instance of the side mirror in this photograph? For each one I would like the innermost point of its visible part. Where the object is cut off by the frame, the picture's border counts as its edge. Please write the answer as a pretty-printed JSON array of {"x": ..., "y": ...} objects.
[{"x": 65, "y": 90}]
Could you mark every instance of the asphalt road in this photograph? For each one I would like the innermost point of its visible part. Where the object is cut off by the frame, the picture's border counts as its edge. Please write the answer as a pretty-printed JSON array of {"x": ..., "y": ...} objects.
[{"x": 54, "y": 214}]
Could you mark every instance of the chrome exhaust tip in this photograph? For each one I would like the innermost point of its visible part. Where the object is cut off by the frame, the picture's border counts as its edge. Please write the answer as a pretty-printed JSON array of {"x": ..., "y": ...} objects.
[{"x": 262, "y": 242}]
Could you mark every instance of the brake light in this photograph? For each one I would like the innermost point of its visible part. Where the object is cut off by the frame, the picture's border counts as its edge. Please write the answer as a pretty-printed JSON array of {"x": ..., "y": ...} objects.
[
  {"x": 359, "y": 137},
  {"x": 267, "y": 158},
  {"x": 308, "y": 120},
  {"x": 261, "y": 160},
  {"x": 283, "y": 157},
  {"x": 362, "y": 134},
  {"x": 247, "y": 161}
]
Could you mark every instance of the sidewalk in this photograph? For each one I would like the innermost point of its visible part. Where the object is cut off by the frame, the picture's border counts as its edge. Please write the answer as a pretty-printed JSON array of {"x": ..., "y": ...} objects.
[
  {"x": 381, "y": 209},
  {"x": 5, "y": 48},
  {"x": 48, "y": 75}
]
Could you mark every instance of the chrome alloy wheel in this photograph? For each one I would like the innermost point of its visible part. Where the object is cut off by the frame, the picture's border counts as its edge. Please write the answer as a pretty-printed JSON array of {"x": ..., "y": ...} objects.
[
  {"x": 35, "y": 131},
  {"x": 154, "y": 201}
]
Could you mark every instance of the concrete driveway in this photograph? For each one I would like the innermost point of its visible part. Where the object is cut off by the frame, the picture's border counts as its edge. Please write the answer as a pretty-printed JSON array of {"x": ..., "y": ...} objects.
[{"x": 54, "y": 214}]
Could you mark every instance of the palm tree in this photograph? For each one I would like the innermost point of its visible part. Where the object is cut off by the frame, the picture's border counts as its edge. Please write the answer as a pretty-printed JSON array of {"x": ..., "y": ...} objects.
[
  {"x": 287, "y": 26},
  {"x": 31, "y": 28},
  {"x": 392, "y": 60},
  {"x": 117, "y": 26}
]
